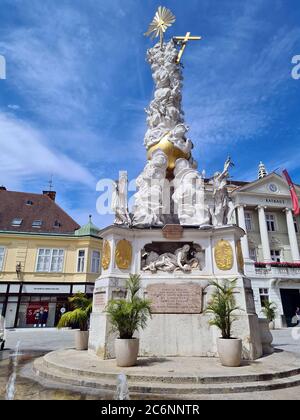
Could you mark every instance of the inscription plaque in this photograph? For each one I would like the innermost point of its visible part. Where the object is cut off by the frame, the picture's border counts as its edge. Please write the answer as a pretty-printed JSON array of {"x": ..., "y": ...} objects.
[
  {"x": 175, "y": 298},
  {"x": 99, "y": 301},
  {"x": 172, "y": 231}
]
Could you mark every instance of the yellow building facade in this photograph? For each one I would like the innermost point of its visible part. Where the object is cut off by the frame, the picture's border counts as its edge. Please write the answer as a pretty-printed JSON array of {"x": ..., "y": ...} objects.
[{"x": 39, "y": 270}]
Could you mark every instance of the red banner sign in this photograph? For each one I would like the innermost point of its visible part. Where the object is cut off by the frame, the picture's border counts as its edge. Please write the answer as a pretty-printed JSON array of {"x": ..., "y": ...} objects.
[{"x": 37, "y": 313}]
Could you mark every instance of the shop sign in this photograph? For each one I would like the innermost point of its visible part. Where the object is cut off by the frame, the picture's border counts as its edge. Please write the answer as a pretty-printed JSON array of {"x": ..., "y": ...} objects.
[{"x": 46, "y": 289}]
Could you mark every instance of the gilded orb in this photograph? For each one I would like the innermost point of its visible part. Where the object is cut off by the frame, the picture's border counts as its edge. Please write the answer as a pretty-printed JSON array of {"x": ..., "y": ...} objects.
[{"x": 172, "y": 152}]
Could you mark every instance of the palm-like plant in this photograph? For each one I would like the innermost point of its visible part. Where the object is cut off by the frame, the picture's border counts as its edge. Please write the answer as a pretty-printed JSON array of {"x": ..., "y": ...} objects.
[
  {"x": 269, "y": 310},
  {"x": 80, "y": 315},
  {"x": 222, "y": 305},
  {"x": 129, "y": 314}
]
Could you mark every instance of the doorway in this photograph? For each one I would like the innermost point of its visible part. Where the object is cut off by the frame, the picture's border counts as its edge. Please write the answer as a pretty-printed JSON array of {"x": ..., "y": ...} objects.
[{"x": 290, "y": 301}]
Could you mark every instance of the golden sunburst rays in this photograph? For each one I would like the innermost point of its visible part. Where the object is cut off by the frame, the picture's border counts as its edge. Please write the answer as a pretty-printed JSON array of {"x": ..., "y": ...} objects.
[{"x": 162, "y": 20}]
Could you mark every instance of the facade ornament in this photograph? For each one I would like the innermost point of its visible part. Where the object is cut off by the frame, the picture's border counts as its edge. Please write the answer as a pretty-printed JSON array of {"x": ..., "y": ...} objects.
[
  {"x": 123, "y": 254},
  {"x": 224, "y": 255},
  {"x": 240, "y": 257},
  {"x": 106, "y": 255},
  {"x": 168, "y": 262},
  {"x": 221, "y": 208},
  {"x": 262, "y": 172}
]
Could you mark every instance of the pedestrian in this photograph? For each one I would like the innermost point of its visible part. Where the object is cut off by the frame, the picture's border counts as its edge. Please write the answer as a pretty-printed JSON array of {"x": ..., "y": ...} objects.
[
  {"x": 298, "y": 315},
  {"x": 41, "y": 315},
  {"x": 45, "y": 317},
  {"x": 2, "y": 332},
  {"x": 36, "y": 318}
]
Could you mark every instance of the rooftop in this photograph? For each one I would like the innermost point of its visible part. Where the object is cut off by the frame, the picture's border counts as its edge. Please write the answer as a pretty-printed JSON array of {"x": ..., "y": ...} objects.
[{"x": 29, "y": 212}]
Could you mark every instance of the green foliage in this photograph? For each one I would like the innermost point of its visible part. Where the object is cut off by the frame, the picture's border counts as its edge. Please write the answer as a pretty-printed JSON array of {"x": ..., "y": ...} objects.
[
  {"x": 222, "y": 305},
  {"x": 269, "y": 310},
  {"x": 130, "y": 314},
  {"x": 80, "y": 315}
]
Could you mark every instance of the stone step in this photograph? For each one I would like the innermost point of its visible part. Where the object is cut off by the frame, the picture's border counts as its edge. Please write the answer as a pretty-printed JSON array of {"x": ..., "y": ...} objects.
[
  {"x": 164, "y": 389},
  {"x": 169, "y": 378}
]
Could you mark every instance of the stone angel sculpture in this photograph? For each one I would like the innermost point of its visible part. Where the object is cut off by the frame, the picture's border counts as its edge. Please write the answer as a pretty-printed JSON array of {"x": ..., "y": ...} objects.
[{"x": 221, "y": 197}]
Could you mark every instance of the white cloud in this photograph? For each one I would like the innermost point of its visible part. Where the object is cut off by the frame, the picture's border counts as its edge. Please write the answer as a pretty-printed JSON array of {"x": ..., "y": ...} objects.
[{"x": 24, "y": 154}]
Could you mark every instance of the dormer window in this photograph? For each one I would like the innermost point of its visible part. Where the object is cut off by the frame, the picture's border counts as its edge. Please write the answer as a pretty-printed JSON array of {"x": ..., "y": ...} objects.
[
  {"x": 37, "y": 223},
  {"x": 29, "y": 203},
  {"x": 57, "y": 224},
  {"x": 16, "y": 222}
]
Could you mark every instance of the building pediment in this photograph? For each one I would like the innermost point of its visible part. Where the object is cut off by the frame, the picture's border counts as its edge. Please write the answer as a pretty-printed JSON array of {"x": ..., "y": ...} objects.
[{"x": 272, "y": 185}]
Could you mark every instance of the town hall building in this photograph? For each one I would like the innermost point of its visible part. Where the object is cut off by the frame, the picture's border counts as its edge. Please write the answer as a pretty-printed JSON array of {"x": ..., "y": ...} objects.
[{"x": 271, "y": 245}]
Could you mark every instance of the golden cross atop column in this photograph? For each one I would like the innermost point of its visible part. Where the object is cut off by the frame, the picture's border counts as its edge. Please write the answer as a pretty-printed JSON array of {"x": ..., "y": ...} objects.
[{"x": 183, "y": 40}]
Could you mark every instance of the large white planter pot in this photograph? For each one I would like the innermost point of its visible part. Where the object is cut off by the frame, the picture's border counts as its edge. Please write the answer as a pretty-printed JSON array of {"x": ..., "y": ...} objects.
[
  {"x": 81, "y": 340},
  {"x": 126, "y": 351},
  {"x": 230, "y": 351},
  {"x": 265, "y": 336}
]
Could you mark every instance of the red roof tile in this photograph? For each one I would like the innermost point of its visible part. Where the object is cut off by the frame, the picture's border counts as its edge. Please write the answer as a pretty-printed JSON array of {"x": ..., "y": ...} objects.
[{"x": 13, "y": 205}]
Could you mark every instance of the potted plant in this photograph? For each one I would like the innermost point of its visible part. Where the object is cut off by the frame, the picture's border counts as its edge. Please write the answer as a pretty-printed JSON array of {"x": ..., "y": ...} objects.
[
  {"x": 127, "y": 315},
  {"x": 222, "y": 306},
  {"x": 269, "y": 311},
  {"x": 78, "y": 318}
]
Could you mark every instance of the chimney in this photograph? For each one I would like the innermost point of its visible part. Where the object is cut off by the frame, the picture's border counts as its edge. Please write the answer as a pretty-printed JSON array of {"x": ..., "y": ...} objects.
[
  {"x": 50, "y": 194},
  {"x": 2, "y": 188}
]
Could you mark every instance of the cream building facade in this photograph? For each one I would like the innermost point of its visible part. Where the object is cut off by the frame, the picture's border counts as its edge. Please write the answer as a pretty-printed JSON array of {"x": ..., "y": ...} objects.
[{"x": 271, "y": 245}]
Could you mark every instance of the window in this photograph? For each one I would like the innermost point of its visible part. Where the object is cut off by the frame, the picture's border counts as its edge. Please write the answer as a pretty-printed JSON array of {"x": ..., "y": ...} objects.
[
  {"x": 252, "y": 254},
  {"x": 296, "y": 225},
  {"x": 37, "y": 223},
  {"x": 29, "y": 203},
  {"x": 248, "y": 221},
  {"x": 95, "y": 266},
  {"x": 276, "y": 255},
  {"x": 57, "y": 224},
  {"x": 16, "y": 222},
  {"x": 270, "y": 219},
  {"x": 2, "y": 251},
  {"x": 50, "y": 260},
  {"x": 80, "y": 261},
  {"x": 264, "y": 296}
]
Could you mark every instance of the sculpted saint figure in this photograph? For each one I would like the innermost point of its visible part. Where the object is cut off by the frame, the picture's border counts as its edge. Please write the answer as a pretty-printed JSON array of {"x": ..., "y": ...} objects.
[
  {"x": 119, "y": 200},
  {"x": 221, "y": 197},
  {"x": 189, "y": 194},
  {"x": 171, "y": 262},
  {"x": 149, "y": 197}
]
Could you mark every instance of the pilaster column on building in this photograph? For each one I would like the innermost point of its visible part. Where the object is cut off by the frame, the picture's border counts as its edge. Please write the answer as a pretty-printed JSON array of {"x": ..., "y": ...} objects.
[
  {"x": 264, "y": 234},
  {"x": 292, "y": 235},
  {"x": 242, "y": 224}
]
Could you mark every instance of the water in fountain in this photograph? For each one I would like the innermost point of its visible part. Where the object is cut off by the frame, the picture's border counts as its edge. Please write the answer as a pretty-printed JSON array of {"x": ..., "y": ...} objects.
[
  {"x": 11, "y": 384},
  {"x": 122, "y": 392}
]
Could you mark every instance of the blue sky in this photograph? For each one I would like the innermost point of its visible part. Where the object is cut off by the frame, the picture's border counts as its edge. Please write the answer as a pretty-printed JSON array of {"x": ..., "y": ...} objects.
[{"x": 77, "y": 85}]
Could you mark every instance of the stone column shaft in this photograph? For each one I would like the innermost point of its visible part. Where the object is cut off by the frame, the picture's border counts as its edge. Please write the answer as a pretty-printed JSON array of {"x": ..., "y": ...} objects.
[
  {"x": 292, "y": 235},
  {"x": 264, "y": 234},
  {"x": 244, "y": 239}
]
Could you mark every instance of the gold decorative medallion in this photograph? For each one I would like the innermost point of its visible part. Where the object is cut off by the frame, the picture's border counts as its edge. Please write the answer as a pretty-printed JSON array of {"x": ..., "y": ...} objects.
[
  {"x": 106, "y": 255},
  {"x": 240, "y": 257},
  {"x": 123, "y": 254},
  {"x": 224, "y": 255}
]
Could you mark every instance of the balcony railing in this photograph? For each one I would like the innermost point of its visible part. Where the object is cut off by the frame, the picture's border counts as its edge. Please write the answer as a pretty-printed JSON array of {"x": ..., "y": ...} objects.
[{"x": 278, "y": 269}]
